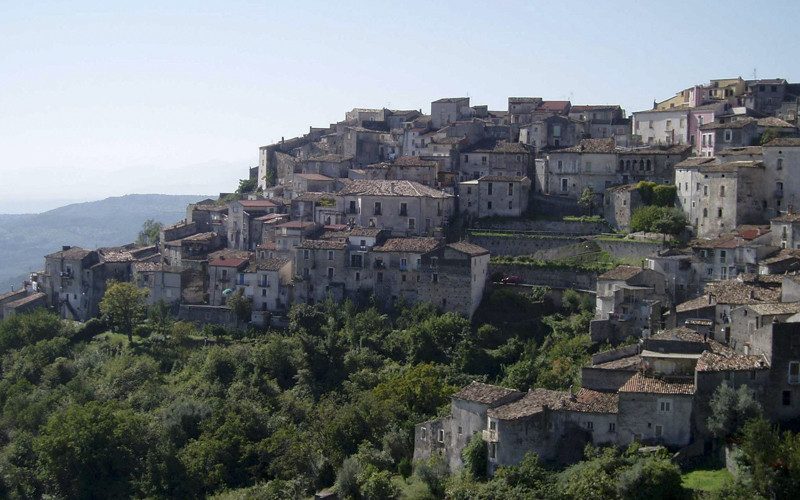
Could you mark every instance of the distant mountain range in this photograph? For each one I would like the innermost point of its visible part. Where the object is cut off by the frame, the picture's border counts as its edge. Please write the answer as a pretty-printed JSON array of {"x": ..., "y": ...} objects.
[{"x": 26, "y": 239}]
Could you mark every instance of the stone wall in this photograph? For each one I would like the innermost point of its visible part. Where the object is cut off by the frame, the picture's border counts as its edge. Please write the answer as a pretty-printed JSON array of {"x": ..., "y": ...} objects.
[
  {"x": 556, "y": 227},
  {"x": 555, "y": 278},
  {"x": 557, "y": 206},
  {"x": 521, "y": 244},
  {"x": 620, "y": 249}
]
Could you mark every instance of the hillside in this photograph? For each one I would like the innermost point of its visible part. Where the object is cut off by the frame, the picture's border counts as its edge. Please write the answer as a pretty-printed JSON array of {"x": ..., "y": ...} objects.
[{"x": 26, "y": 239}]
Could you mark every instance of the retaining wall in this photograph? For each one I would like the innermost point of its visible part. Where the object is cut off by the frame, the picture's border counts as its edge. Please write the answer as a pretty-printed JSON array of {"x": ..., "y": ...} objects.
[{"x": 556, "y": 278}]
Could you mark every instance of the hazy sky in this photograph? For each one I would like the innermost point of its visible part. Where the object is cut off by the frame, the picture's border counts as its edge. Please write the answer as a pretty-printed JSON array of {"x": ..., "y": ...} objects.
[{"x": 102, "y": 98}]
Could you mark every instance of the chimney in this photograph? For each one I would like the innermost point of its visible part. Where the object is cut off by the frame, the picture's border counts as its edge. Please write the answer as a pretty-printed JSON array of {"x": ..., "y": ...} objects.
[
  {"x": 709, "y": 298},
  {"x": 221, "y": 257},
  {"x": 571, "y": 393},
  {"x": 65, "y": 248}
]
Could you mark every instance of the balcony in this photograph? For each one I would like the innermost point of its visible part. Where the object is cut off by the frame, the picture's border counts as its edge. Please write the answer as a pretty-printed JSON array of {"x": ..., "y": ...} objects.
[
  {"x": 403, "y": 267},
  {"x": 490, "y": 436},
  {"x": 263, "y": 284}
]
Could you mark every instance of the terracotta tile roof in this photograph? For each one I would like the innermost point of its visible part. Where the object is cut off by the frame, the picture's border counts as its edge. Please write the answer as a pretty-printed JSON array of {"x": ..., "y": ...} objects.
[
  {"x": 677, "y": 149},
  {"x": 228, "y": 262},
  {"x": 553, "y": 106},
  {"x": 371, "y": 232},
  {"x": 768, "y": 279},
  {"x": 695, "y": 161},
  {"x": 479, "y": 392},
  {"x": 503, "y": 178},
  {"x": 73, "y": 253},
  {"x": 608, "y": 145},
  {"x": 787, "y": 218},
  {"x": 391, "y": 188},
  {"x": 524, "y": 99},
  {"x": 413, "y": 245},
  {"x": 468, "y": 248},
  {"x": 747, "y": 150},
  {"x": 712, "y": 362},
  {"x": 322, "y": 245},
  {"x": 732, "y": 166},
  {"x": 651, "y": 385},
  {"x": 784, "y": 254},
  {"x": 784, "y": 142},
  {"x": 8, "y": 295},
  {"x": 776, "y": 308},
  {"x": 310, "y": 196},
  {"x": 414, "y": 161},
  {"x": 533, "y": 402},
  {"x": 273, "y": 217},
  {"x": 27, "y": 300},
  {"x": 314, "y": 177},
  {"x": 267, "y": 246},
  {"x": 152, "y": 267},
  {"x": 684, "y": 334},
  {"x": 773, "y": 122},
  {"x": 296, "y": 224},
  {"x": 201, "y": 237},
  {"x": 624, "y": 187},
  {"x": 621, "y": 273},
  {"x": 330, "y": 158},
  {"x": 497, "y": 146},
  {"x": 253, "y": 204},
  {"x": 450, "y": 100},
  {"x": 448, "y": 140},
  {"x": 740, "y": 123},
  {"x": 630, "y": 363},
  {"x": 732, "y": 292},
  {"x": 230, "y": 253},
  {"x": 591, "y": 401},
  {"x": 594, "y": 107},
  {"x": 267, "y": 265}
]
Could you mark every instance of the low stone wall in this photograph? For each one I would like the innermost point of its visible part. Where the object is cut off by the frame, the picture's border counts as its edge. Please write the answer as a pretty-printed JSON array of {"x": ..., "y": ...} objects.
[
  {"x": 555, "y": 278},
  {"x": 548, "y": 226},
  {"x": 628, "y": 249},
  {"x": 521, "y": 244},
  {"x": 557, "y": 206}
]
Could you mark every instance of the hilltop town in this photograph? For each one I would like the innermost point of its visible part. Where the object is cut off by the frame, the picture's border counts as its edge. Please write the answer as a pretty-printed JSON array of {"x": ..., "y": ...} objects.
[{"x": 443, "y": 208}]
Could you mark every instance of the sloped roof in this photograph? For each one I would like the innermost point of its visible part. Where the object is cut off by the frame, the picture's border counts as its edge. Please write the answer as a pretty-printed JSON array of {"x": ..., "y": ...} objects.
[
  {"x": 391, "y": 188},
  {"x": 608, "y": 145},
  {"x": 26, "y": 300},
  {"x": 745, "y": 150},
  {"x": 413, "y": 245},
  {"x": 496, "y": 146},
  {"x": 712, "y": 362},
  {"x": 73, "y": 253},
  {"x": 784, "y": 142},
  {"x": 468, "y": 248},
  {"x": 533, "y": 402},
  {"x": 322, "y": 245},
  {"x": 228, "y": 262},
  {"x": 479, "y": 392},
  {"x": 267, "y": 265},
  {"x": 651, "y": 385}
]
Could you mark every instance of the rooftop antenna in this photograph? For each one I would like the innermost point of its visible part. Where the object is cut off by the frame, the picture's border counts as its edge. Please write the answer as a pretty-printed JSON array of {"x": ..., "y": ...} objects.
[{"x": 755, "y": 76}]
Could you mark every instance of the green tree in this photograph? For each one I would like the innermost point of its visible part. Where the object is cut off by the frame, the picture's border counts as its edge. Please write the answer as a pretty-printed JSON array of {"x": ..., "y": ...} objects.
[
  {"x": 246, "y": 186},
  {"x": 664, "y": 195},
  {"x": 241, "y": 307},
  {"x": 656, "y": 219},
  {"x": 651, "y": 479},
  {"x": 731, "y": 409},
  {"x": 92, "y": 451},
  {"x": 587, "y": 200},
  {"x": 150, "y": 233},
  {"x": 475, "y": 455},
  {"x": 768, "y": 135},
  {"x": 124, "y": 303},
  {"x": 271, "y": 177}
]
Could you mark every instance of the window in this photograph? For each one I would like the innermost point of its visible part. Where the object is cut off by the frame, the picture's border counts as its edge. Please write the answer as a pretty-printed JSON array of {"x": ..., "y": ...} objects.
[
  {"x": 263, "y": 292},
  {"x": 705, "y": 190},
  {"x": 466, "y": 158},
  {"x": 669, "y": 124},
  {"x": 434, "y": 261},
  {"x": 379, "y": 277},
  {"x": 665, "y": 406},
  {"x": 330, "y": 272},
  {"x": 556, "y": 130},
  {"x": 306, "y": 254},
  {"x": 659, "y": 431},
  {"x": 723, "y": 256},
  {"x": 489, "y": 205},
  {"x": 224, "y": 274},
  {"x": 356, "y": 260},
  {"x": 330, "y": 254},
  {"x": 377, "y": 208},
  {"x": 493, "y": 450},
  {"x": 702, "y": 120},
  {"x": 403, "y": 278},
  {"x": 435, "y": 278},
  {"x": 786, "y": 398},
  {"x": 590, "y": 426},
  {"x": 794, "y": 372},
  {"x": 697, "y": 187},
  {"x": 728, "y": 135},
  {"x": 564, "y": 185},
  {"x": 510, "y": 205},
  {"x": 403, "y": 209},
  {"x": 683, "y": 122},
  {"x": 612, "y": 427},
  {"x": 358, "y": 276},
  {"x": 423, "y": 433},
  {"x": 691, "y": 139},
  {"x": 588, "y": 166},
  {"x": 483, "y": 160},
  {"x": 489, "y": 188},
  {"x": 511, "y": 189},
  {"x": 441, "y": 435},
  {"x": 412, "y": 223},
  {"x": 719, "y": 213},
  {"x": 460, "y": 430},
  {"x": 722, "y": 191}
]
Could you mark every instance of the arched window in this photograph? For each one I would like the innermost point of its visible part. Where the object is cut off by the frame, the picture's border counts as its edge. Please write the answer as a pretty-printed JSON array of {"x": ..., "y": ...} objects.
[
  {"x": 649, "y": 165},
  {"x": 621, "y": 165},
  {"x": 628, "y": 165},
  {"x": 634, "y": 164}
]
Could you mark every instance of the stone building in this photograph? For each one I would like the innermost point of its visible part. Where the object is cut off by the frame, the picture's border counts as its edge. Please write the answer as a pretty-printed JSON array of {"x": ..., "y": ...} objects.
[
  {"x": 494, "y": 157},
  {"x": 330, "y": 165},
  {"x": 717, "y": 198},
  {"x": 453, "y": 277},
  {"x": 242, "y": 215},
  {"x": 448, "y": 110},
  {"x": 321, "y": 267},
  {"x": 552, "y": 132},
  {"x": 785, "y": 230},
  {"x": 404, "y": 207},
  {"x": 171, "y": 284},
  {"x": 619, "y": 203},
  {"x": 317, "y": 183},
  {"x": 602, "y": 120},
  {"x": 405, "y": 168},
  {"x": 590, "y": 165},
  {"x": 494, "y": 196},
  {"x": 225, "y": 274}
]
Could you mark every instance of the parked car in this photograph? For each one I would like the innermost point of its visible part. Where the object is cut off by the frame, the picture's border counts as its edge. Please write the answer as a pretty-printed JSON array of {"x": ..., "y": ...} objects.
[{"x": 511, "y": 280}]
